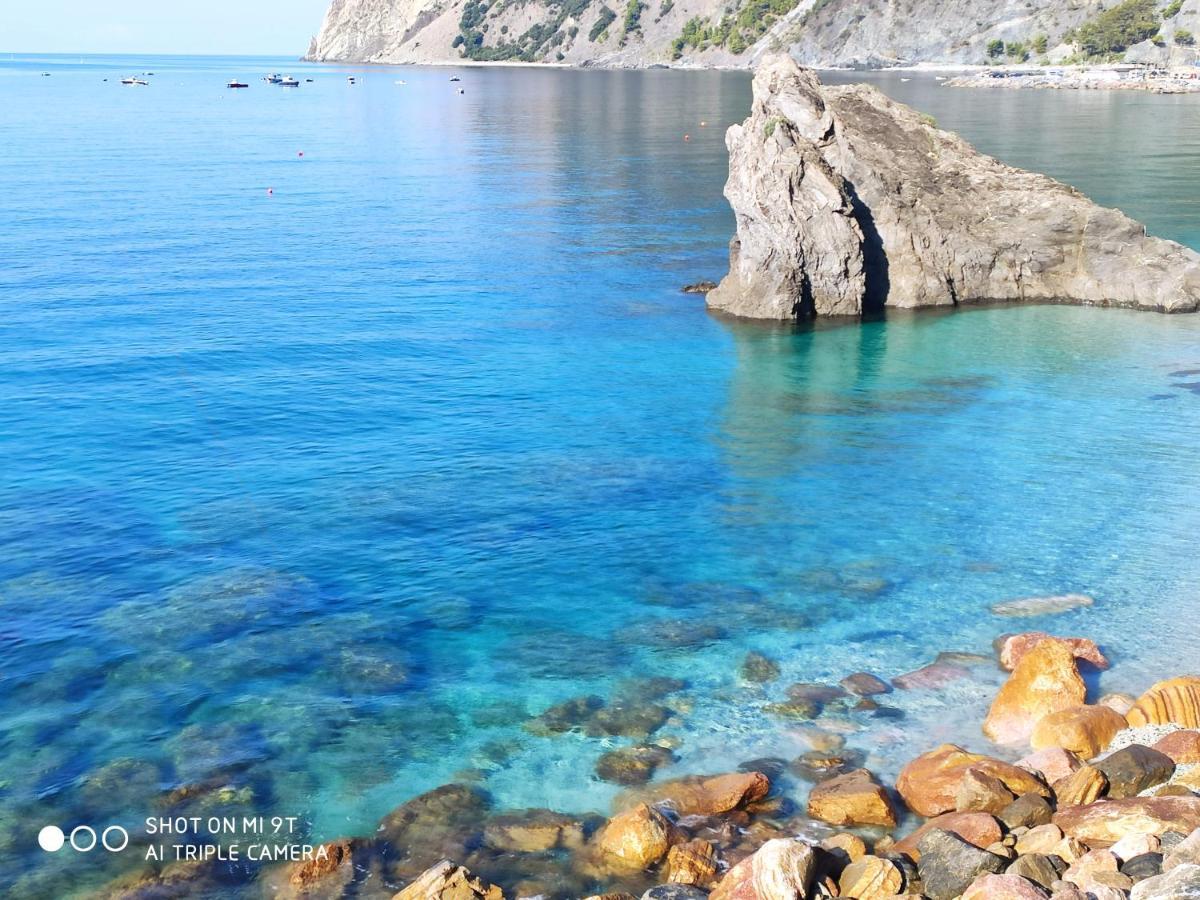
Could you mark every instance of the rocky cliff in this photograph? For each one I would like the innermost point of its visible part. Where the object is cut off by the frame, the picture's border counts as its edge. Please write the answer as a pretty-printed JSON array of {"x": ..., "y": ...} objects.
[
  {"x": 740, "y": 32},
  {"x": 693, "y": 32},
  {"x": 847, "y": 202}
]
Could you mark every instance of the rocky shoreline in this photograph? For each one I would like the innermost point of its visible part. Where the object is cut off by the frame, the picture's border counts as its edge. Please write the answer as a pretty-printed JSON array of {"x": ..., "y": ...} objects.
[
  {"x": 1103, "y": 804},
  {"x": 1084, "y": 78}
]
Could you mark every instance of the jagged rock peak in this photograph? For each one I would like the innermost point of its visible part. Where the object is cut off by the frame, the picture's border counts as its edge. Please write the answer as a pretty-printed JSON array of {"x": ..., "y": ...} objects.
[{"x": 847, "y": 201}]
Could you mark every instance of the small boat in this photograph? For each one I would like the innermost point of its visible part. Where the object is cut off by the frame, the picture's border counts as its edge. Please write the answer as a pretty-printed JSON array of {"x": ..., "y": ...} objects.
[
  {"x": 237, "y": 84},
  {"x": 289, "y": 81},
  {"x": 455, "y": 78},
  {"x": 45, "y": 74},
  {"x": 350, "y": 79},
  {"x": 133, "y": 79},
  {"x": 273, "y": 78},
  {"x": 462, "y": 90},
  {"x": 308, "y": 81}
]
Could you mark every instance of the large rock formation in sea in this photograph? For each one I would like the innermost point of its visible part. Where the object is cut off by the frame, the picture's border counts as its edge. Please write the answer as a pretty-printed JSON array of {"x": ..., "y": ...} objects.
[
  {"x": 637, "y": 33},
  {"x": 847, "y": 202}
]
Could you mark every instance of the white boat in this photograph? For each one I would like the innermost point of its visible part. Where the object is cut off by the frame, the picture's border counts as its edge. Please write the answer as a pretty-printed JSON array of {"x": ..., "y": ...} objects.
[
  {"x": 288, "y": 81},
  {"x": 273, "y": 78},
  {"x": 133, "y": 79}
]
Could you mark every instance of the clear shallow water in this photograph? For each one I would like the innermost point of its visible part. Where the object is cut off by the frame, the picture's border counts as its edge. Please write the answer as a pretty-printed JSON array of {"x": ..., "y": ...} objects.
[{"x": 321, "y": 494}]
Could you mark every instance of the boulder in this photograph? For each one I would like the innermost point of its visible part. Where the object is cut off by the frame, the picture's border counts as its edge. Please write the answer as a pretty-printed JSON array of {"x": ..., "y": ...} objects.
[
  {"x": 1085, "y": 730},
  {"x": 871, "y": 878},
  {"x": 948, "y": 864},
  {"x": 1027, "y": 811},
  {"x": 1107, "y": 821},
  {"x": 637, "y": 838},
  {"x": 632, "y": 765},
  {"x": 1004, "y": 887},
  {"x": 930, "y": 783},
  {"x": 981, "y": 792},
  {"x": 1133, "y": 845},
  {"x": 1011, "y": 647},
  {"x": 693, "y": 862},
  {"x": 846, "y": 202},
  {"x": 702, "y": 795},
  {"x": 1083, "y": 872},
  {"x": 1053, "y": 764},
  {"x": 1085, "y": 785},
  {"x": 1041, "y": 606},
  {"x": 934, "y": 676},
  {"x": 976, "y": 828},
  {"x": 1182, "y": 883},
  {"x": 1182, "y": 746},
  {"x": 1142, "y": 867},
  {"x": 1133, "y": 769},
  {"x": 758, "y": 668},
  {"x": 781, "y": 869},
  {"x": 533, "y": 831},
  {"x": 851, "y": 799},
  {"x": 446, "y": 881},
  {"x": 1037, "y": 867},
  {"x": 1186, "y": 852},
  {"x": 675, "y": 892},
  {"x": 1175, "y": 700},
  {"x": 864, "y": 684},
  {"x": 1045, "y": 681},
  {"x": 845, "y": 848}
]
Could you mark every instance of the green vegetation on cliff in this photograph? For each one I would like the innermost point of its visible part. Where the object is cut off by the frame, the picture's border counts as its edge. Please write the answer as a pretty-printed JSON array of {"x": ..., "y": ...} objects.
[
  {"x": 1110, "y": 33},
  {"x": 735, "y": 31},
  {"x": 534, "y": 44}
]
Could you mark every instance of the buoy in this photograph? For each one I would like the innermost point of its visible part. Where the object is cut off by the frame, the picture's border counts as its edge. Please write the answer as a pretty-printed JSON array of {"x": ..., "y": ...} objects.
[
  {"x": 687, "y": 137},
  {"x": 703, "y": 124},
  {"x": 301, "y": 153},
  {"x": 270, "y": 190}
]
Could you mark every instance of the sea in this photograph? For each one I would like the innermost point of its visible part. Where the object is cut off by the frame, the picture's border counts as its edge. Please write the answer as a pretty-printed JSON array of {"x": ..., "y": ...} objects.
[{"x": 347, "y": 428}]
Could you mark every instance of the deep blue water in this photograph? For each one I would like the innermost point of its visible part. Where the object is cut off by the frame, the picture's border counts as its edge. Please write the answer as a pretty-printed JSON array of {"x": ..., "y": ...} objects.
[{"x": 321, "y": 493}]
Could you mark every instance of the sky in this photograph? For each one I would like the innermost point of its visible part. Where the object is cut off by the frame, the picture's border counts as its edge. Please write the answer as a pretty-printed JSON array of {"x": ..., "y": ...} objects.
[{"x": 264, "y": 27}]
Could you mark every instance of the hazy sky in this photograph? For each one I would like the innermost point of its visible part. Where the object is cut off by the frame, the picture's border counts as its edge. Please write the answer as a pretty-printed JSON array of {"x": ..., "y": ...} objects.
[{"x": 159, "y": 26}]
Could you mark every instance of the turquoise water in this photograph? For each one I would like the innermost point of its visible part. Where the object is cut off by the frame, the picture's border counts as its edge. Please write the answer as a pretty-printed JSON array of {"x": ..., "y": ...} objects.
[{"x": 321, "y": 494}]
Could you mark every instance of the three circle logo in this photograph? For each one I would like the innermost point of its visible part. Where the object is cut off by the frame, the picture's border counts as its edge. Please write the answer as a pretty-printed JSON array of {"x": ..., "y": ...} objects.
[{"x": 83, "y": 839}]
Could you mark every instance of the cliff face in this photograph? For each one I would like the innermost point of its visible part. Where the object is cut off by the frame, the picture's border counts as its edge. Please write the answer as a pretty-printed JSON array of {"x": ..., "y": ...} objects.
[
  {"x": 695, "y": 32},
  {"x": 847, "y": 202}
]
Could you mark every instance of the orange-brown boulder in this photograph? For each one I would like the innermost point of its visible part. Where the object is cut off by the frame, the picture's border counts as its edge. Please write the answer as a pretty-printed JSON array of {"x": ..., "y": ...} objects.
[
  {"x": 1086, "y": 730},
  {"x": 1004, "y": 887},
  {"x": 1175, "y": 700},
  {"x": 1012, "y": 647},
  {"x": 1052, "y": 764},
  {"x": 781, "y": 869},
  {"x": 702, "y": 795},
  {"x": 1182, "y": 746},
  {"x": 930, "y": 783},
  {"x": 871, "y": 878},
  {"x": 851, "y": 799},
  {"x": 446, "y": 881},
  {"x": 1107, "y": 821},
  {"x": 637, "y": 838},
  {"x": 1085, "y": 785},
  {"x": 976, "y": 828},
  {"x": 693, "y": 862},
  {"x": 1045, "y": 681}
]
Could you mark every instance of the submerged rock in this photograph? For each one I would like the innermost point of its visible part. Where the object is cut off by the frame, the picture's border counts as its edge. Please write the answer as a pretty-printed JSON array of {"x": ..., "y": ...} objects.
[{"x": 847, "y": 201}]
